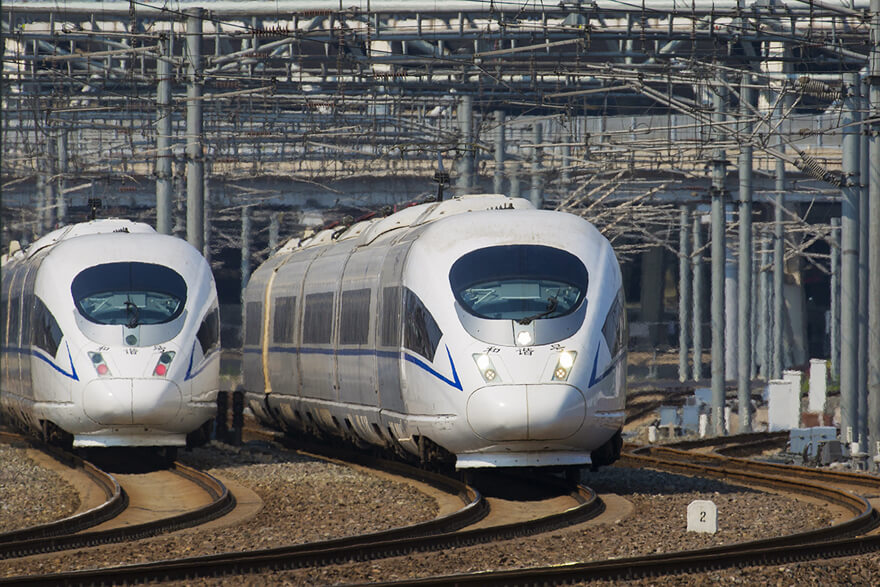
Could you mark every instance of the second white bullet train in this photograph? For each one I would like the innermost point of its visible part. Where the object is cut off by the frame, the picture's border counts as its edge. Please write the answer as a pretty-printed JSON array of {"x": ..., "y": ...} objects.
[
  {"x": 111, "y": 337},
  {"x": 476, "y": 331}
]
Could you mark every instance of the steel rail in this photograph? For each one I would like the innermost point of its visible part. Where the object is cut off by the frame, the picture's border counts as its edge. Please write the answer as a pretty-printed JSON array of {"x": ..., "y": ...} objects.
[
  {"x": 428, "y": 536},
  {"x": 222, "y": 502},
  {"x": 116, "y": 500},
  {"x": 812, "y": 545}
]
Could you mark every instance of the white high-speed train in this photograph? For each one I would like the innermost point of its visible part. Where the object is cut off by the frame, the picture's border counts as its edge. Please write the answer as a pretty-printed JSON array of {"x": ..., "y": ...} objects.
[
  {"x": 477, "y": 330},
  {"x": 111, "y": 337}
]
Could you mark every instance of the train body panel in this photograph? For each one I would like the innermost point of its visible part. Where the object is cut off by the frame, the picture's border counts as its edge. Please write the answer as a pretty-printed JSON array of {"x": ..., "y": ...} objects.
[
  {"x": 115, "y": 332},
  {"x": 477, "y": 327}
]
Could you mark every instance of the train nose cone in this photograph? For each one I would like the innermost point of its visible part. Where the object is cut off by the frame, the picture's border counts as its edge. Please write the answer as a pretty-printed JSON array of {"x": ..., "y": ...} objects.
[
  {"x": 116, "y": 402},
  {"x": 503, "y": 413}
]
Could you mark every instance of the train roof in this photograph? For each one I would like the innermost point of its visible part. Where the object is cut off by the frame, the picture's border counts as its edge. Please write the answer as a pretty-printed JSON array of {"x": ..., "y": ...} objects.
[
  {"x": 368, "y": 231},
  {"x": 104, "y": 225}
]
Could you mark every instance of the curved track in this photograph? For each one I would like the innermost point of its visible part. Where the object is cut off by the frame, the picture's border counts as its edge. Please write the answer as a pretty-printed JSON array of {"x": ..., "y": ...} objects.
[
  {"x": 441, "y": 533},
  {"x": 137, "y": 508}
]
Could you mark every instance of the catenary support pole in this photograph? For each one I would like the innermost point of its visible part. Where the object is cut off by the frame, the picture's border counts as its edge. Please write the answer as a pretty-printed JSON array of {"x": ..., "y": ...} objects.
[
  {"x": 194, "y": 157},
  {"x": 778, "y": 293},
  {"x": 874, "y": 241},
  {"x": 849, "y": 293},
  {"x": 245, "y": 256},
  {"x": 684, "y": 290},
  {"x": 465, "y": 181},
  {"x": 765, "y": 303},
  {"x": 719, "y": 174},
  {"x": 862, "y": 188},
  {"x": 744, "y": 341},
  {"x": 163, "y": 138},
  {"x": 835, "y": 299},
  {"x": 63, "y": 168},
  {"x": 697, "y": 267},
  {"x": 498, "y": 180},
  {"x": 537, "y": 193}
]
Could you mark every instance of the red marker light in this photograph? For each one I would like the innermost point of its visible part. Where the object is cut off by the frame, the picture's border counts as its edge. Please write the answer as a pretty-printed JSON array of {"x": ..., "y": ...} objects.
[
  {"x": 161, "y": 370},
  {"x": 102, "y": 369}
]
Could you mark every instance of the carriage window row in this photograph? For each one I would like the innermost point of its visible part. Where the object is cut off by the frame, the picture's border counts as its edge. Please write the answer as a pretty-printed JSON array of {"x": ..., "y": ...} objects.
[
  {"x": 43, "y": 331},
  {"x": 421, "y": 335}
]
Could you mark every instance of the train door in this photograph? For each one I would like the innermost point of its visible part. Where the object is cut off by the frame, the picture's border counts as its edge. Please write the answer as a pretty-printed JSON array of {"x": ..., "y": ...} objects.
[
  {"x": 318, "y": 333},
  {"x": 390, "y": 327},
  {"x": 356, "y": 357}
]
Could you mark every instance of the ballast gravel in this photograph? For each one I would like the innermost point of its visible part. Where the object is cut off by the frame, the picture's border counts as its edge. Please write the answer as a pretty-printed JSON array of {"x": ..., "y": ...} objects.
[
  {"x": 307, "y": 500},
  {"x": 29, "y": 493}
]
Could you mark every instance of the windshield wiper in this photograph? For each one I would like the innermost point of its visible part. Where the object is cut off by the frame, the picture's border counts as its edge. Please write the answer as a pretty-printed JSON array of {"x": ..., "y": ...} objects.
[
  {"x": 135, "y": 315},
  {"x": 551, "y": 307}
]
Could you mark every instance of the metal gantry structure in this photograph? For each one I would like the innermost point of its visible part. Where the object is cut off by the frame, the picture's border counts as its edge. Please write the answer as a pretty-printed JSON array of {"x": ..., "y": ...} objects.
[{"x": 644, "y": 117}]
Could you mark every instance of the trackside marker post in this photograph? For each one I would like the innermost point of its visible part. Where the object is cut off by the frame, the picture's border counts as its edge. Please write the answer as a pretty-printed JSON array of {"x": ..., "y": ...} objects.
[{"x": 702, "y": 516}]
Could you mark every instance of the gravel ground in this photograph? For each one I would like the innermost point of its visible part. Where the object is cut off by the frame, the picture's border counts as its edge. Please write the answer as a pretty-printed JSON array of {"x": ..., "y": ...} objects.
[
  {"x": 312, "y": 500},
  {"x": 20, "y": 480},
  {"x": 304, "y": 500}
]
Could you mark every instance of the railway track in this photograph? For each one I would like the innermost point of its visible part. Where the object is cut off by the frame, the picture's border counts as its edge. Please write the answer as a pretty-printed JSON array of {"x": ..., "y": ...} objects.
[
  {"x": 126, "y": 514},
  {"x": 441, "y": 533}
]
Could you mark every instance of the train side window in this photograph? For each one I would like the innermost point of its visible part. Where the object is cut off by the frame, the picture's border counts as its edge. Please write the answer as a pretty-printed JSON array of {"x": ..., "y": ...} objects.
[
  {"x": 354, "y": 326},
  {"x": 46, "y": 333},
  {"x": 318, "y": 318},
  {"x": 253, "y": 323},
  {"x": 421, "y": 333},
  {"x": 390, "y": 319},
  {"x": 14, "y": 318},
  {"x": 282, "y": 321},
  {"x": 209, "y": 331},
  {"x": 614, "y": 329},
  {"x": 27, "y": 311}
]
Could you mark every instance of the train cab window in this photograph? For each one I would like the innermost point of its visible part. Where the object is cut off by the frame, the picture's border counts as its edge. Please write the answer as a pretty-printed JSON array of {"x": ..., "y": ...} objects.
[
  {"x": 129, "y": 293},
  {"x": 209, "y": 331},
  {"x": 253, "y": 323},
  {"x": 318, "y": 318},
  {"x": 519, "y": 282},
  {"x": 46, "y": 333},
  {"x": 282, "y": 321},
  {"x": 390, "y": 319},
  {"x": 354, "y": 325},
  {"x": 421, "y": 333}
]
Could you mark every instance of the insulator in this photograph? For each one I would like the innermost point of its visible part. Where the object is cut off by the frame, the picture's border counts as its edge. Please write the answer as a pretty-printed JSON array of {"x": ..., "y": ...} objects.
[
  {"x": 818, "y": 89},
  {"x": 815, "y": 169}
]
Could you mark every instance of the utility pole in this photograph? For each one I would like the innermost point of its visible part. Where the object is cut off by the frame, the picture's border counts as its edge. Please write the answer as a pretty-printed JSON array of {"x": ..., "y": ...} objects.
[
  {"x": 744, "y": 341},
  {"x": 195, "y": 194},
  {"x": 874, "y": 240},
  {"x": 684, "y": 290},
  {"x": 719, "y": 174},
  {"x": 163, "y": 138}
]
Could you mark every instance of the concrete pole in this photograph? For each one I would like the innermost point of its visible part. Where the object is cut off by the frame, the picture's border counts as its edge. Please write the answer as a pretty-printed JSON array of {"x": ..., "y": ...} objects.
[
  {"x": 863, "y": 283},
  {"x": 684, "y": 290},
  {"x": 874, "y": 241},
  {"x": 697, "y": 267},
  {"x": 719, "y": 174},
  {"x": 274, "y": 229},
  {"x": 515, "y": 191},
  {"x": 764, "y": 326},
  {"x": 849, "y": 293},
  {"x": 498, "y": 180},
  {"x": 194, "y": 156},
  {"x": 731, "y": 302},
  {"x": 835, "y": 299},
  {"x": 164, "y": 156},
  {"x": 465, "y": 181},
  {"x": 537, "y": 194},
  {"x": 245, "y": 255},
  {"x": 566, "y": 163},
  {"x": 745, "y": 264},
  {"x": 50, "y": 185},
  {"x": 63, "y": 168},
  {"x": 778, "y": 299}
]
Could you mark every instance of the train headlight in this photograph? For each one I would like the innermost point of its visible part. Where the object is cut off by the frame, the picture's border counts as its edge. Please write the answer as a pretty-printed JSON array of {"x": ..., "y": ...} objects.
[
  {"x": 164, "y": 362},
  {"x": 524, "y": 338},
  {"x": 563, "y": 365},
  {"x": 486, "y": 367},
  {"x": 99, "y": 364}
]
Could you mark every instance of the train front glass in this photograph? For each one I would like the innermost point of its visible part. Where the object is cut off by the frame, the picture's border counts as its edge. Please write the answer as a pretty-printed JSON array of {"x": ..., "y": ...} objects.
[{"x": 519, "y": 282}]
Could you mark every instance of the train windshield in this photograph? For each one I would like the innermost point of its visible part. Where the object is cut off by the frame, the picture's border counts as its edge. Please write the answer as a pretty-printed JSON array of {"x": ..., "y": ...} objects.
[
  {"x": 519, "y": 282},
  {"x": 129, "y": 293}
]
